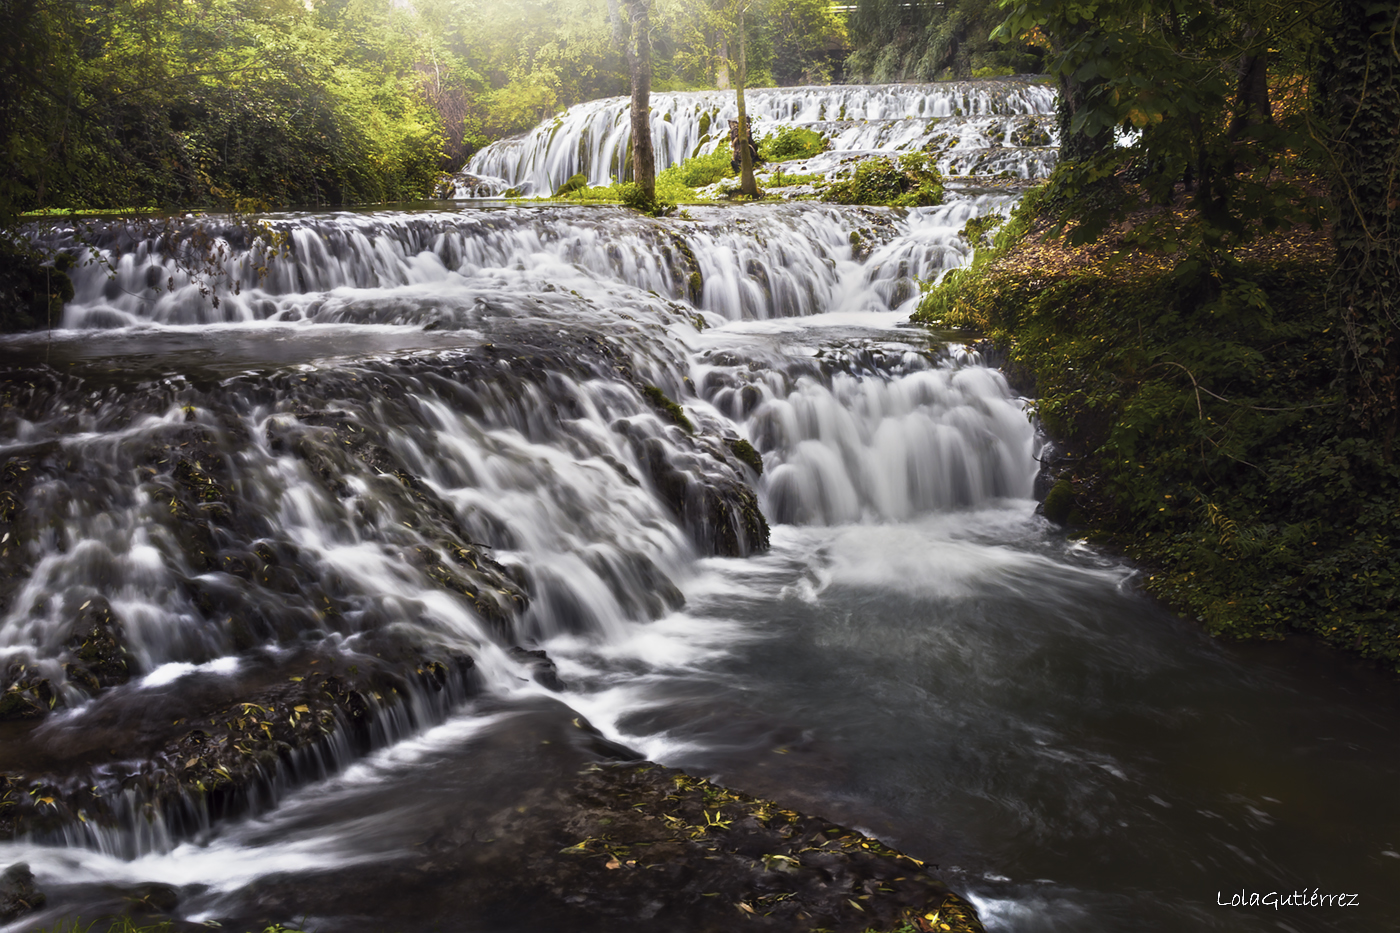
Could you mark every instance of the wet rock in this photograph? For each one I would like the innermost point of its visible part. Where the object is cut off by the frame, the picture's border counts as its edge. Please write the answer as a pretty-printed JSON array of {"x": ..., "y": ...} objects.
[
  {"x": 152, "y": 897},
  {"x": 1059, "y": 502},
  {"x": 744, "y": 452},
  {"x": 97, "y": 642},
  {"x": 624, "y": 847},
  {"x": 24, "y": 694},
  {"x": 18, "y": 895},
  {"x": 232, "y": 746},
  {"x": 720, "y": 512},
  {"x": 544, "y": 671}
]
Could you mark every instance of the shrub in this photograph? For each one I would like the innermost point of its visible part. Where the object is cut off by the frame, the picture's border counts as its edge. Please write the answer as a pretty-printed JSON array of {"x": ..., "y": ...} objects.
[
  {"x": 697, "y": 172},
  {"x": 912, "y": 182},
  {"x": 791, "y": 142}
]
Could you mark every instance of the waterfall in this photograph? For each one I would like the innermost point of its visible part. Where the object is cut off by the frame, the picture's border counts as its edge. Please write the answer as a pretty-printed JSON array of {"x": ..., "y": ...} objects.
[
  {"x": 395, "y": 450},
  {"x": 983, "y": 127}
]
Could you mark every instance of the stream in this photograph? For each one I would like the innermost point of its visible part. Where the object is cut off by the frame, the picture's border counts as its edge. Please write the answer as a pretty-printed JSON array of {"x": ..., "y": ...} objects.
[{"x": 903, "y": 646}]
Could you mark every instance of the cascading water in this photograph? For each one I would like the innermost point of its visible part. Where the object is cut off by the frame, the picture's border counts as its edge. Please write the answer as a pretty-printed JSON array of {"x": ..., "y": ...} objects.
[
  {"x": 417, "y": 483},
  {"x": 974, "y": 128}
]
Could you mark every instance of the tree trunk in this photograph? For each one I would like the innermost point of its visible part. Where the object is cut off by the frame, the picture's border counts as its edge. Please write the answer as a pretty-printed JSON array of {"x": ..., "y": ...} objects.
[
  {"x": 635, "y": 38},
  {"x": 747, "y": 184},
  {"x": 1359, "y": 101},
  {"x": 722, "y": 68},
  {"x": 1252, "y": 106}
]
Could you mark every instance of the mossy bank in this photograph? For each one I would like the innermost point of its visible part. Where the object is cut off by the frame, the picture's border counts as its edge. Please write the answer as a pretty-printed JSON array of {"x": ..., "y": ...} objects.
[{"x": 1196, "y": 423}]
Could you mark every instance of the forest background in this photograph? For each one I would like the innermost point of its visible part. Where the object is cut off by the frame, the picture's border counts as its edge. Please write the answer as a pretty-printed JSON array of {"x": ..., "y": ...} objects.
[{"x": 260, "y": 103}]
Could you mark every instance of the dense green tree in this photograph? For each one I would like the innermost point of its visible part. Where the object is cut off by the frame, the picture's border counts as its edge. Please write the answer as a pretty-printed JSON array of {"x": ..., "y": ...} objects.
[
  {"x": 922, "y": 40},
  {"x": 1359, "y": 109},
  {"x": 140, "y": 103},
  {"x": 1190, "y": 82}
]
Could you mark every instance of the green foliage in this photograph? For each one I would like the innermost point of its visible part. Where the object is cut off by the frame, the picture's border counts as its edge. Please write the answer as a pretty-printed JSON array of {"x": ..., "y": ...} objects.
[
  {"x": 1199, "y": 415},
  {"x": 573, "y": 183},
  {"x": 781, "y": 179},
  {"x": 233, "y": 103},
  {"x": 1169, "y": 72},
  {"x": 639, "y": 199},
  {"x": 914, "y": 181},
  {"x": 788, "y": 42},
  {"x": 791, "y": 142},
  {"x": 897, "y": 41},
  {"x": 697, "y": 172}
]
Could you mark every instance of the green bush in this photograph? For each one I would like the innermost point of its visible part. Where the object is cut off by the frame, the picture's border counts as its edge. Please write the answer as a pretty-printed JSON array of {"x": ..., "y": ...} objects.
[
  {"x": 791, "y": 142},
  {"x": 696, "y": 172},
  {"x": 914, "y": 181}
]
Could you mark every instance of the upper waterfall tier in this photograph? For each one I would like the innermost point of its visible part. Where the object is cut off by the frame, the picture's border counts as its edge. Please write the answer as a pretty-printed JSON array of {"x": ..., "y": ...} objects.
[
  {"x": 454, "y": 271},
  {"x": 960, "y": 120}
]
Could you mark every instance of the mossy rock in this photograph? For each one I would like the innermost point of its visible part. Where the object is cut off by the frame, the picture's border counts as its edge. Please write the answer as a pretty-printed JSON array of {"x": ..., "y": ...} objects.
[
  {"x": 745, "y": 453},
  {"x": 675, "y": 412},
  {"x": 574, "y": 183},
  {"x": 1059, "y": 503}
]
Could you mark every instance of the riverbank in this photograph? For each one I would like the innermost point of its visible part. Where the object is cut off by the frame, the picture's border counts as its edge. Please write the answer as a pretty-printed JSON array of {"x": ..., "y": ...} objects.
[{"x": 1196, "y": 423}]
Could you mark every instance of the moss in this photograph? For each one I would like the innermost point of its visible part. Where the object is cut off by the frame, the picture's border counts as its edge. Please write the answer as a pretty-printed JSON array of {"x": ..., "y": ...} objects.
[
  {"x": 574, "y": 183},
  {"x": 1059, "y": 502},
  {"x": 670, "y": 409},
  {"x": 745, "y": 453}
]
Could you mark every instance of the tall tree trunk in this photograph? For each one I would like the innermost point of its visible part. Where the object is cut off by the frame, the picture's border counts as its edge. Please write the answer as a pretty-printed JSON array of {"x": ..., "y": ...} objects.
[
  {"x": 722, "y": 67},
  {"x": 1359, "y": 101},
  {"x": 1252, "y": 106},
  {"x": 635, "y": 37},
  {"x": 747, "y": 183}
]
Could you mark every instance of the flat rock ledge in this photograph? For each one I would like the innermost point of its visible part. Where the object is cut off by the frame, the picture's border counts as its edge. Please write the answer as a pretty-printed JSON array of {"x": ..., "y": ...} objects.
[
  {"x": 653, "y": 847},
  {"x": 626, "y": 847}
]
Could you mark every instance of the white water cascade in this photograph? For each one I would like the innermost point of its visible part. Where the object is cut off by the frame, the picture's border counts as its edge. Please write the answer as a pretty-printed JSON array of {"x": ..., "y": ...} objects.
[
  {"x": 492, "y": 475},
  {"x": 991, "y": 127}
]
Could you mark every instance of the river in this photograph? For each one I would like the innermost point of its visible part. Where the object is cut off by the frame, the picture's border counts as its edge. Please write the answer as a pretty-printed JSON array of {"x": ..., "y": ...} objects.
[{"x": 286, "y": 473}]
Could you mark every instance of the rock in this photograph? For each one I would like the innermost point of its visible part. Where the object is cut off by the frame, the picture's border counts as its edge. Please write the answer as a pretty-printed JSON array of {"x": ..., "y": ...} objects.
[
  {"x": 574, "y": 183},
  {"x": 543, "y": 669},
  {"x": 25, "y": 695},
  {"x": 744, "y": 452},
  {"x": 1059, "y": 503},
  {"x": 97, "y": 642},
  {"x": 18, "y": 895}
]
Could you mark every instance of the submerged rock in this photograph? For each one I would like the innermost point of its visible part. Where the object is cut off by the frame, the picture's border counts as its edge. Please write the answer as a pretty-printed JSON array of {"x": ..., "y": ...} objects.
[{"x": 18, "y": 895}]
